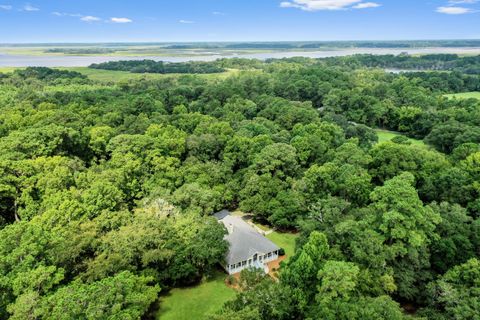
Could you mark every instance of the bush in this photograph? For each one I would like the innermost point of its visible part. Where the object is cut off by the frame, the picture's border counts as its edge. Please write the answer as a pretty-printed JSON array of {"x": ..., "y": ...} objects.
[
  {"x": 401, "y": 140},
  {"x": 281, "y": 252}
]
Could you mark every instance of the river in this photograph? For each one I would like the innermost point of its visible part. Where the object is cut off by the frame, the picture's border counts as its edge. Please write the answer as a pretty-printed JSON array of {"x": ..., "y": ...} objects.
[{"x": 20, "y": 60}]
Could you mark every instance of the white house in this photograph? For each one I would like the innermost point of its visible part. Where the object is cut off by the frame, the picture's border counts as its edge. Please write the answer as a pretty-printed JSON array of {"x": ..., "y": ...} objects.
[{"x": 248, "y": 248}]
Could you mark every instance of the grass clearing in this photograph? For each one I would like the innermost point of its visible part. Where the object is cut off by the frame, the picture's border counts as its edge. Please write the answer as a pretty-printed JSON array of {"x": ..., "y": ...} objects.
[
  {"x": 8, "y": 69},
  {"x": 285, "y": 241},
  {"x": 118, "y": 76},
  {"x": 112, "y": 76},
  {"x": 385, "y": 135},
  {"x": 196, "y": 302},
  {"x": 465, "y": 95}
]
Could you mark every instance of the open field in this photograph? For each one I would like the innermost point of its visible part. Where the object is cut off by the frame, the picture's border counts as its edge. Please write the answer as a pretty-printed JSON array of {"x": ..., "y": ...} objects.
[
  {"x": 196, "y": 302},
  {"x": 465, "y": 95},
  {"x": 117, "y": 76},
  {"x": 385, "y": 135},
  {"x": 8, "y": 69},
  {"x": 113, "y": 76},
  {"x": 285, "y": 241}
]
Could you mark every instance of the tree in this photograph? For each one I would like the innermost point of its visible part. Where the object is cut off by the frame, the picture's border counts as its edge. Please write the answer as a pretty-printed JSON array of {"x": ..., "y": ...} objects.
[
  {"x": 457, "y": 292},
  {"x": 302, "y": 270},
  {"x": 408, "y": 227},
  {"x": 455, "y": 244},
  {"x": 337, "y": 281},
  {"x": 175, "y": 248},
  {"x": 124, "y": 296}
]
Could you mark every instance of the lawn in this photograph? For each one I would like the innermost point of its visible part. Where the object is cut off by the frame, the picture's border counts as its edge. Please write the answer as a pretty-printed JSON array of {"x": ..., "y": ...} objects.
[
  {"x": 285, "y": 241},
  {"x": 196, "y": 302},
  {"x": 465, "y": 95},
  {"x": 385, "y": 135},
  {"x": 8, "y": 69},
  {"x": 112, "y": 76},
  {"x": 98, "y": 75},
  {"x": 117, "y": 76}
]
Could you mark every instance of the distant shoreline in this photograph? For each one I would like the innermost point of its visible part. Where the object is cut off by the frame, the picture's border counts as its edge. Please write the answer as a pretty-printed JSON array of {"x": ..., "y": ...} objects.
[{"x": 17, "y": 58}]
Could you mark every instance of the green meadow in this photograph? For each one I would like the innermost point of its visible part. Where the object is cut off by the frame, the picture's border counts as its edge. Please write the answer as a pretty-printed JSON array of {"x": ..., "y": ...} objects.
[
  {"x": 119, "y": 76},
  {"x": 465, "y": 95},
  {"x": 285, "y": 241},
  {"x": 385, "y": 135},
  {"x": 196, "y": 302}
]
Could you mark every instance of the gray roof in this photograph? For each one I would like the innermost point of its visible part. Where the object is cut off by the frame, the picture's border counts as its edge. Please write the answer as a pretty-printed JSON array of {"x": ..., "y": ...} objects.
[{"x": 244, "y": 240}]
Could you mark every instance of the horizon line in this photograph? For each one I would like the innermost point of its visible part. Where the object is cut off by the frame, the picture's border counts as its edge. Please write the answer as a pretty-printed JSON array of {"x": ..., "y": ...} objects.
[{"x": 232, "y": 41}]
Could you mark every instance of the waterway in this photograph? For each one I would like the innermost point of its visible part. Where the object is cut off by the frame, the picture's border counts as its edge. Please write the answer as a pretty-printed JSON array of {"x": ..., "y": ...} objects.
[{"x": 20, "y": 60}]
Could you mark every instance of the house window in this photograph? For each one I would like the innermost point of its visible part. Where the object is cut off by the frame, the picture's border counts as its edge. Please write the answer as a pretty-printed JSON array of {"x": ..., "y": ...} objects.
[
  {"x": 249, "y": 262},
  {"x": 244, "y": 263},
  {"x": 239, "y": 265},
  {"x": 270, "y": 255},
  {"x": 265, "y": 256}
]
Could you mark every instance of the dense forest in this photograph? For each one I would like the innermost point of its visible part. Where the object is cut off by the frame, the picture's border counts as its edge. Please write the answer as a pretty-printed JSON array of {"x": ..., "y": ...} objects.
[
  {"x": 443, "y": 62},
  {"x": 107, "y": 190},
  {"x": 150, "y": 66}
]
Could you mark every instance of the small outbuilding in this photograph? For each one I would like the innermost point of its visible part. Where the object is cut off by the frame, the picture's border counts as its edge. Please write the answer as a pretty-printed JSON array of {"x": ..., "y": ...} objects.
[{"x": 248, "y": 248}]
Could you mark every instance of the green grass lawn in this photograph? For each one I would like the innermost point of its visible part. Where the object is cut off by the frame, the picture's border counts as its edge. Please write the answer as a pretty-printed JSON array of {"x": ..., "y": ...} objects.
[
  {"x": 8, "y": 69},
  {"x": 112, "y": 76},
  {"x": 196, "y": 302},
  {"x": 117, "y": 76},
  {"x": 285, "y": 241},
  {"x": 465, "y": 95},
  {"x": 385, "y": 135}
]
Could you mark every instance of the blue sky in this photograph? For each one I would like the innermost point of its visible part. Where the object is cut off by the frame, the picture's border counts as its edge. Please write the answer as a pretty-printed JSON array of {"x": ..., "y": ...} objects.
[{"x": 236, "y": 20}]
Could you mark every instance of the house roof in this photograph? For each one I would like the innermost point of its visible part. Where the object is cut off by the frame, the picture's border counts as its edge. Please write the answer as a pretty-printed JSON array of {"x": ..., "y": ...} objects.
[{"x": 244, "y": 240}]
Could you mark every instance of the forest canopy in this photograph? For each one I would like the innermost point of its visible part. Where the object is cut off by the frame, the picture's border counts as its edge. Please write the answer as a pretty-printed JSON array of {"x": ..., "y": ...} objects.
[{"x": 150, "y": 66}]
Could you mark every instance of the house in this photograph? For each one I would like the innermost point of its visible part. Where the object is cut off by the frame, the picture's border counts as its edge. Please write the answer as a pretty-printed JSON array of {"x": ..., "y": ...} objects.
[{"x": 248, "y": 248}]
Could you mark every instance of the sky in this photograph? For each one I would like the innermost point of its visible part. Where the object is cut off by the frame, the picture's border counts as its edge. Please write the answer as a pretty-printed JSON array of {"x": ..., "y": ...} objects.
[{"x": 42, "y": 21}]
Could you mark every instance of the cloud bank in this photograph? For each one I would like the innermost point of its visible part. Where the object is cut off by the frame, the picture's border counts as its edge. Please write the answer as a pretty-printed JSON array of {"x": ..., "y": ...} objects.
[
  {"x": 454, "y": 10},
  {"x": 120, "y": 20},
  {"x": 317, "y": 5}
]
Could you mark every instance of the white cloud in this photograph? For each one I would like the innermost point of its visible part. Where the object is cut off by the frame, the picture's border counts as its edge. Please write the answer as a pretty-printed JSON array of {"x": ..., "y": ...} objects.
[
  {"x": 462, "y": 1},
  {"x": 316, "y": 5},
  {"x": 218, "y": 13},
  {"x": 366, "y": 5},
  {"x": 29, "y": 7},
  {"x": 186, "y": 21},
  {"x": 5, "y": 7},
  {"x": 120, "y": 20},
  {"x": 454, "y": 10},
  {"x": 65, "y": 14},
  {"x": 90, "y": 19}
]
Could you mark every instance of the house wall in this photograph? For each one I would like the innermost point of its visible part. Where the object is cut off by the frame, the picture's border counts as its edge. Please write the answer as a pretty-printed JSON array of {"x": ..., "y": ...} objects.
[{"x": 238, "y": 267}]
